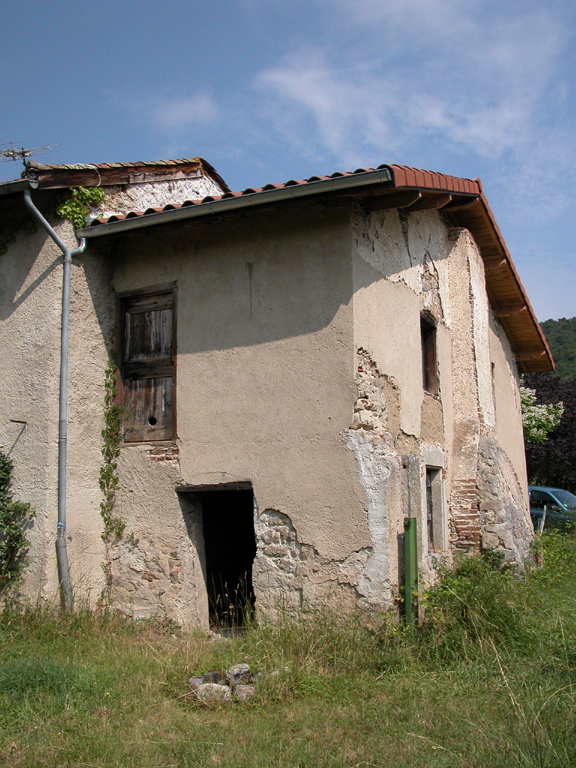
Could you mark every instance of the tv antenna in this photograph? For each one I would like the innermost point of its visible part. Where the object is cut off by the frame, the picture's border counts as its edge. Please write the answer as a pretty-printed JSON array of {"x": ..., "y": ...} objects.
[{"x": 19, "y": 153}]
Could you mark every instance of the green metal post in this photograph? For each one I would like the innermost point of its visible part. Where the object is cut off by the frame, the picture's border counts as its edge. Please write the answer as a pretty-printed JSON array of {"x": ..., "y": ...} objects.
[{"x": 410, "y": 569}]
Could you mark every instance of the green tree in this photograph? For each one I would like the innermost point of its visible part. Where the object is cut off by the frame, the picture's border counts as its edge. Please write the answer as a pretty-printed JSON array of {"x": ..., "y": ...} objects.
[{"x": 553, "y": 462}]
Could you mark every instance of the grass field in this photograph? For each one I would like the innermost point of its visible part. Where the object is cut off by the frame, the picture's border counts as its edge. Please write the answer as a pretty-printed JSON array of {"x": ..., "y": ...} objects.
[{"x": 488, "y": 680}]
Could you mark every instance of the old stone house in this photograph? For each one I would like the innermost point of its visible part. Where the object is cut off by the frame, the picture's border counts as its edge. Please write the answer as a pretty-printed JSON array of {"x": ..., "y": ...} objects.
[{"x": 300, "y": 368}]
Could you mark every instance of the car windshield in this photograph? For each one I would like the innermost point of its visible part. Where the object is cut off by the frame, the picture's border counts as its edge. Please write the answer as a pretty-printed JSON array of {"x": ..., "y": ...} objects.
[{"x": 566, "y": 498}]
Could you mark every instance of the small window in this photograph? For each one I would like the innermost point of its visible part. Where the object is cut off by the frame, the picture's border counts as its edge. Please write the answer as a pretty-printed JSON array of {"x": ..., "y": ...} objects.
[
  {"x": 147, "y": 341},
  {"x": 429, "y": 367},
  {"x": 434, "y": 513}
]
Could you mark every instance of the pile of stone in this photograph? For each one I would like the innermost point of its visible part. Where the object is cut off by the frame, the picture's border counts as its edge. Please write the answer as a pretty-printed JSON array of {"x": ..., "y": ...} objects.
[{"x": 236, "y": 683}]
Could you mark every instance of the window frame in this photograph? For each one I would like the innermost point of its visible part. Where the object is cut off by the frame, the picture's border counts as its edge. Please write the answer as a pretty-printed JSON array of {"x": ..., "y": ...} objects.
[
  {"x": 122, "y": 298},
  {"x": 434, "y": 508},
  {"x": 429, "y": 347}
]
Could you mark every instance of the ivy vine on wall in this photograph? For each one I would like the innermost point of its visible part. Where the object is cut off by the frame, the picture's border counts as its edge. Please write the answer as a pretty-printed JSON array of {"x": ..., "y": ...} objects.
[
  {"x": 15, "y": 519},
  {"x": 76, "y": 206},
  {"x": 112, "y": 437}
]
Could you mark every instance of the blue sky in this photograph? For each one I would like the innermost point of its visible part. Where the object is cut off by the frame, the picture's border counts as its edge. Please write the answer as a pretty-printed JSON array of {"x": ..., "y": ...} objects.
[{"x": 268, "y": 90}]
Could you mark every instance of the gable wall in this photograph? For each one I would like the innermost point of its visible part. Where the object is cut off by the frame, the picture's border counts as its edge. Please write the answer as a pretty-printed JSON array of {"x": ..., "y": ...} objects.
[{"x": 405, "y": 265}]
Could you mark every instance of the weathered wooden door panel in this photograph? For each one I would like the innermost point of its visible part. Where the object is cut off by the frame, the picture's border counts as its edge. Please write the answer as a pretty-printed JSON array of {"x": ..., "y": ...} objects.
[
  {"x": 148, "y": 350},
  {"x": 148, "y": 335},
  {"x": 149, "y": 413}
]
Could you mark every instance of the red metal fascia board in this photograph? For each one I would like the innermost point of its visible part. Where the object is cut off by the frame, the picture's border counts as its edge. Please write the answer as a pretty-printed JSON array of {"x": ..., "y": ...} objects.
[{"x": 403, "y": 176}]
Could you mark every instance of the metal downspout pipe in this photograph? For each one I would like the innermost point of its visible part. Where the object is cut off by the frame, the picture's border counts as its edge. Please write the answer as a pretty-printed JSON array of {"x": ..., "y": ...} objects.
[{"x": 61, "y": 551}]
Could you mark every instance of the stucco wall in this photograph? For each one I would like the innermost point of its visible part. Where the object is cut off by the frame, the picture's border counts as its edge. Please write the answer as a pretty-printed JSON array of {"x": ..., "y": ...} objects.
[
  {"x": 29, "y": 346},
  {"x": 30, "y": 318},
  {"x": 299, "y": 369},
  {"x": 509, "y": 431},
  {"x": 265, "y": 387}
]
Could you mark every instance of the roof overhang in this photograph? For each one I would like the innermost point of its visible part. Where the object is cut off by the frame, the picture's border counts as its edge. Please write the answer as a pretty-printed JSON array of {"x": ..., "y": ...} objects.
[
  {"x": 114, "y": 174},
  {"x": 508, "y": 298},
  {"x": 388, "y": 186}
]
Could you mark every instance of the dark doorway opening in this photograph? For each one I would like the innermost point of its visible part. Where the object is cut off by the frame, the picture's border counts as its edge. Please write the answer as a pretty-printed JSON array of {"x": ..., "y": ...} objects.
[{"x": 230, "y": 548}]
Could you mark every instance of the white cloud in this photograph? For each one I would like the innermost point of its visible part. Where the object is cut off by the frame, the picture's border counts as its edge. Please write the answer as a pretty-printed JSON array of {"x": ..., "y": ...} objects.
[
  {"x": 179, "y": 113},
  {"x": 172, "y": 116},
  {"x": 340, "y": 104},
  {"x": 446, "y": 84},
  {"x": 419, "y": 19},
  {"x": 478, "y": 86}
]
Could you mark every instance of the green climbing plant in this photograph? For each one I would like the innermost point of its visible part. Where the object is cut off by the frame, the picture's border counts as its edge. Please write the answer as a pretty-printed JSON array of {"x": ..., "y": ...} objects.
[
  {"x": 76, "y": 206},
  {"x": 15, "y": 519},
  {"x": 112, "y": 437}
]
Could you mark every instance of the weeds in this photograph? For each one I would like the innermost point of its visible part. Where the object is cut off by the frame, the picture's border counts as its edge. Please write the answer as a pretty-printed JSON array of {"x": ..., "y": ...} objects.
[{"x": 488, "y": 680}]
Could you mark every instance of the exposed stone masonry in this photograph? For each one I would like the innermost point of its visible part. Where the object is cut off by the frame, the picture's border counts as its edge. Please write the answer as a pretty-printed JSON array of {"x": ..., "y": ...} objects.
[
  {"x": 146, "y": 575},
  {"x": 290, "y": 576},
  {"x": 503, "y": 515},
  {"x": 370, "y": 410}
]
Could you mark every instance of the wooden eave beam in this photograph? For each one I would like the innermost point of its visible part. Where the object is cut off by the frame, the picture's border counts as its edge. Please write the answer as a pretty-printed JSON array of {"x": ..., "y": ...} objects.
[
  {"x": 495, "y": 264},
  {"x": 510, "y": 308},
  {"x": 77, "y": 177},
  {"x": 461, "y": 203},
  {"x": 393, "y": 200},
  {"x": 432, "y": 201},
  {"x": 529, "y": 355}
]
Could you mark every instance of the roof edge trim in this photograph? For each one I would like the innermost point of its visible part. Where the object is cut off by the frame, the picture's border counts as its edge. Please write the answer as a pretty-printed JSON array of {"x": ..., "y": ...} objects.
[{"x": 13, "y": 187}]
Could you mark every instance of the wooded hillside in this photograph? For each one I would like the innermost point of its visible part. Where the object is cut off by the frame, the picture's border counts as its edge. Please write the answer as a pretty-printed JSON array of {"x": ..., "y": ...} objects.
[{"x": 561, "y": 336}]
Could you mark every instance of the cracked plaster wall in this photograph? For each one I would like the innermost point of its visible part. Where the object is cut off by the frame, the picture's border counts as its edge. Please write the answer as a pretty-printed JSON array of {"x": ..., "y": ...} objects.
[
  {"x": 139, "y": 197},
  {"x": 266, "y": 389},
  {"x": 425, "y": 267}
]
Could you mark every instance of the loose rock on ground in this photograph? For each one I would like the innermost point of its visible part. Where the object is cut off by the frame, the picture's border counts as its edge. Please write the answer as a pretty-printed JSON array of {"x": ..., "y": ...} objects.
[{"x": 238, "y": 681}]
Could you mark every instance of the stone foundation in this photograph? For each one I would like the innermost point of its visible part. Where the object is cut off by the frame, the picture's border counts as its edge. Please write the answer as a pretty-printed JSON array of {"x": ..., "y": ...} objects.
[
  {"x": 503, "y": 514},
  {"x": 289, "y": 576}
]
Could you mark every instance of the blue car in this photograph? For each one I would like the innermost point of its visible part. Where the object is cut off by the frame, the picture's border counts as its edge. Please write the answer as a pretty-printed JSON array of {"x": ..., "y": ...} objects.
[{"x": 560, "y": 506}]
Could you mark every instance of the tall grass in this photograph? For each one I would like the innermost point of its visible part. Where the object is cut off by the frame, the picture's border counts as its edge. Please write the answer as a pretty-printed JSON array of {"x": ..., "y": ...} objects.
[{"x": 488, "y": 679}]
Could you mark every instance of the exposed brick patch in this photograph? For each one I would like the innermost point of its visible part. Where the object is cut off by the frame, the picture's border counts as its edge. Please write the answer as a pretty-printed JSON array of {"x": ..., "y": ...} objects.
[
  {"x": 164, "y": 453},
  {"x": 465, "y": 532}
]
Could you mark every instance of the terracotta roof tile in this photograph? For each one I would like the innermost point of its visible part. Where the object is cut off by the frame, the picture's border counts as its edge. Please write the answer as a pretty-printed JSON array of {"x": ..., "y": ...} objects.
[
  {"x": 504, "y": 286},
  {"x": 403, "y": 176}
]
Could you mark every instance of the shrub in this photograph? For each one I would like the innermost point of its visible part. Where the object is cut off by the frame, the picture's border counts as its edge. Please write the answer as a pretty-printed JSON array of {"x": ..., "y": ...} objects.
[{"x": 15, "y": 519}]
